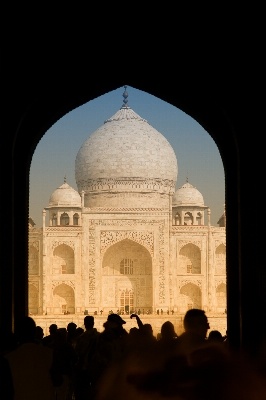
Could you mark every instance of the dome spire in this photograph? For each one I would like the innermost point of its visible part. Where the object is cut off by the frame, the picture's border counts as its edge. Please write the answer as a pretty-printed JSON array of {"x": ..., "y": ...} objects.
[
  {"x": 65, "y": 179},
  {"x": 125, "y": 95},
  {"x": 187, "y": 178}
]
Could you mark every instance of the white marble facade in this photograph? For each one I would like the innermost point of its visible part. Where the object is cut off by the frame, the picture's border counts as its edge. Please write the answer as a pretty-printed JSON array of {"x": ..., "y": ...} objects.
[{"x": 126, "y": 240}]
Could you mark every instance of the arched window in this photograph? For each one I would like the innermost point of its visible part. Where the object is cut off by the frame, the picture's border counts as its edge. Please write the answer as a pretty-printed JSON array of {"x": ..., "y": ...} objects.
[
  {"x": 126, "y": 266},
  {"x": 75, "y": 219},
  {"x": 177, "y": 219},
  {"x": 54, "y": 220},
  {"x": 64, "y": 219},
  {"x": 189, "y": 268},
  {"x": 126, "y": 301},
  {"x": 188, "y": 219},
  {"x": 199, "y": 218}
]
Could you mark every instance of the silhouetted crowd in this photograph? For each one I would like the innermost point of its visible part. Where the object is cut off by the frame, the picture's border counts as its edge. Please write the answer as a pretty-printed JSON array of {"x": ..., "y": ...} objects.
[{"x": 76, "y": 364}]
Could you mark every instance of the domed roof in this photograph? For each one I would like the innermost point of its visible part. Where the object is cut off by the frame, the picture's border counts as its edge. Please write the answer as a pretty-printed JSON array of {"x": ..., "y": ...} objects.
[
  {"x": 187, "y": 195},
  {"x": 126, "y": 147},
  {"x": 65, "y": 196}
]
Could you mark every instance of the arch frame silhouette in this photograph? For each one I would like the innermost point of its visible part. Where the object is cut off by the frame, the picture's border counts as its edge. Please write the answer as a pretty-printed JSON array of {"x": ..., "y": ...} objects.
[{"x": 38, "y": 113}]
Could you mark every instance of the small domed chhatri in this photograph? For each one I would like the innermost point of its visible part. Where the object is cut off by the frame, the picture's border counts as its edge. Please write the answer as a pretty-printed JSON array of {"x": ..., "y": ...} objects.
[
  {"x": 188, "y": 195},
  {"x": 65, "y": 195},
  {"x": 64, "y": 206}
]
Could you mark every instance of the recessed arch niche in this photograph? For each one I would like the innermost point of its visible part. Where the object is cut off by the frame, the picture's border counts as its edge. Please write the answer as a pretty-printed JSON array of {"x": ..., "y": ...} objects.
[
  {"x": 33, "y": 299},
  {"x": 33, "y": 260},
  {"x": 220, "y": 260},
  {"x": 221, "y": 297},
  {"x": 190, "y": 259},
  {"x": 191, "y": 296},
  {"x": 127, "y": 267},
  {"x": 63, "y": 299},
  {"x": 63, "y": 260}
]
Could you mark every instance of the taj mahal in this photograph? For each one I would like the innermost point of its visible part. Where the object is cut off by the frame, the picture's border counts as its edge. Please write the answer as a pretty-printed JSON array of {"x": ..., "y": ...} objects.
[{"x": 126, "y": 241}]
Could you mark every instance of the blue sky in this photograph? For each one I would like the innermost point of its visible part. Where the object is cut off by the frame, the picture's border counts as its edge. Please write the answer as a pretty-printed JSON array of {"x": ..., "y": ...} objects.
[{"x": 196, "y": 152}]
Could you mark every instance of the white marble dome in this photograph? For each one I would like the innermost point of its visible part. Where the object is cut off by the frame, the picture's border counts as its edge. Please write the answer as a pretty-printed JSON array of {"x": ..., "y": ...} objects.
[
  {"x": 65, "y": 196},
  {"x": 187, "y": 195},
  {"x": 126, "y": 148}
]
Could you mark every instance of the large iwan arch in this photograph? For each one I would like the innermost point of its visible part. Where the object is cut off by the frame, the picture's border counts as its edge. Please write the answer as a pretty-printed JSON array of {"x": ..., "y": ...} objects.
[{"x": 127, "y": 268}]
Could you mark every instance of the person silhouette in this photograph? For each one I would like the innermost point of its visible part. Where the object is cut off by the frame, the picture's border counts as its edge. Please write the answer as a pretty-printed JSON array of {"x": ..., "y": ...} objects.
[
  {"x": 215, "y": 337},
  {"x": 48, "y": 339},
  {"x": 196, "y": 326},
  {"x": 30, "y": 364}
]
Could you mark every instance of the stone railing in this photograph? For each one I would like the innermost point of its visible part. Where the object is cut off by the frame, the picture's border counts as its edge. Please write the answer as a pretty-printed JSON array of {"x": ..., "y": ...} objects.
[{"x": 63, "y": 228}]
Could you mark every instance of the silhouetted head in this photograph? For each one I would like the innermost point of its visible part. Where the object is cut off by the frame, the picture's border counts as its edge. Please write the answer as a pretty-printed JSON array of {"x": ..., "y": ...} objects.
[
  {"x": 116, "y": 318},
  {"x": 147, "y": 329},
  {"x": 61, "y": 335},
  {"x": 196, "y": 321},
  {"x": 115, "y": 323},
  {"x": 52, "y": 329},
  {"x": 168, "y": 330},
  {"x": 39, "y": 333},
  {"x": 26, "y": 329},
  {"x": 71, "y": 327},
  {"x": 79, "y": 331},
  {"x": 134, "y": 332},
  {"x": 89, "y": 322},
  {"x": 215, "y": 336}
]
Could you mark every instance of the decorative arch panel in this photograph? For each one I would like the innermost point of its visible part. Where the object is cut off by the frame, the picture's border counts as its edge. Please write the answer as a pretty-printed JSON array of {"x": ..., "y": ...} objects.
[{"x": 108, "y": 238}]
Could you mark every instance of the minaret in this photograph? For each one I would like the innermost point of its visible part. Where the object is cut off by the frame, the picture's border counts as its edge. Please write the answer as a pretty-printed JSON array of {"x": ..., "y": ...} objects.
[
  {"x": 44, "y": 266},
  {"x": 211, "y": 294}
]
